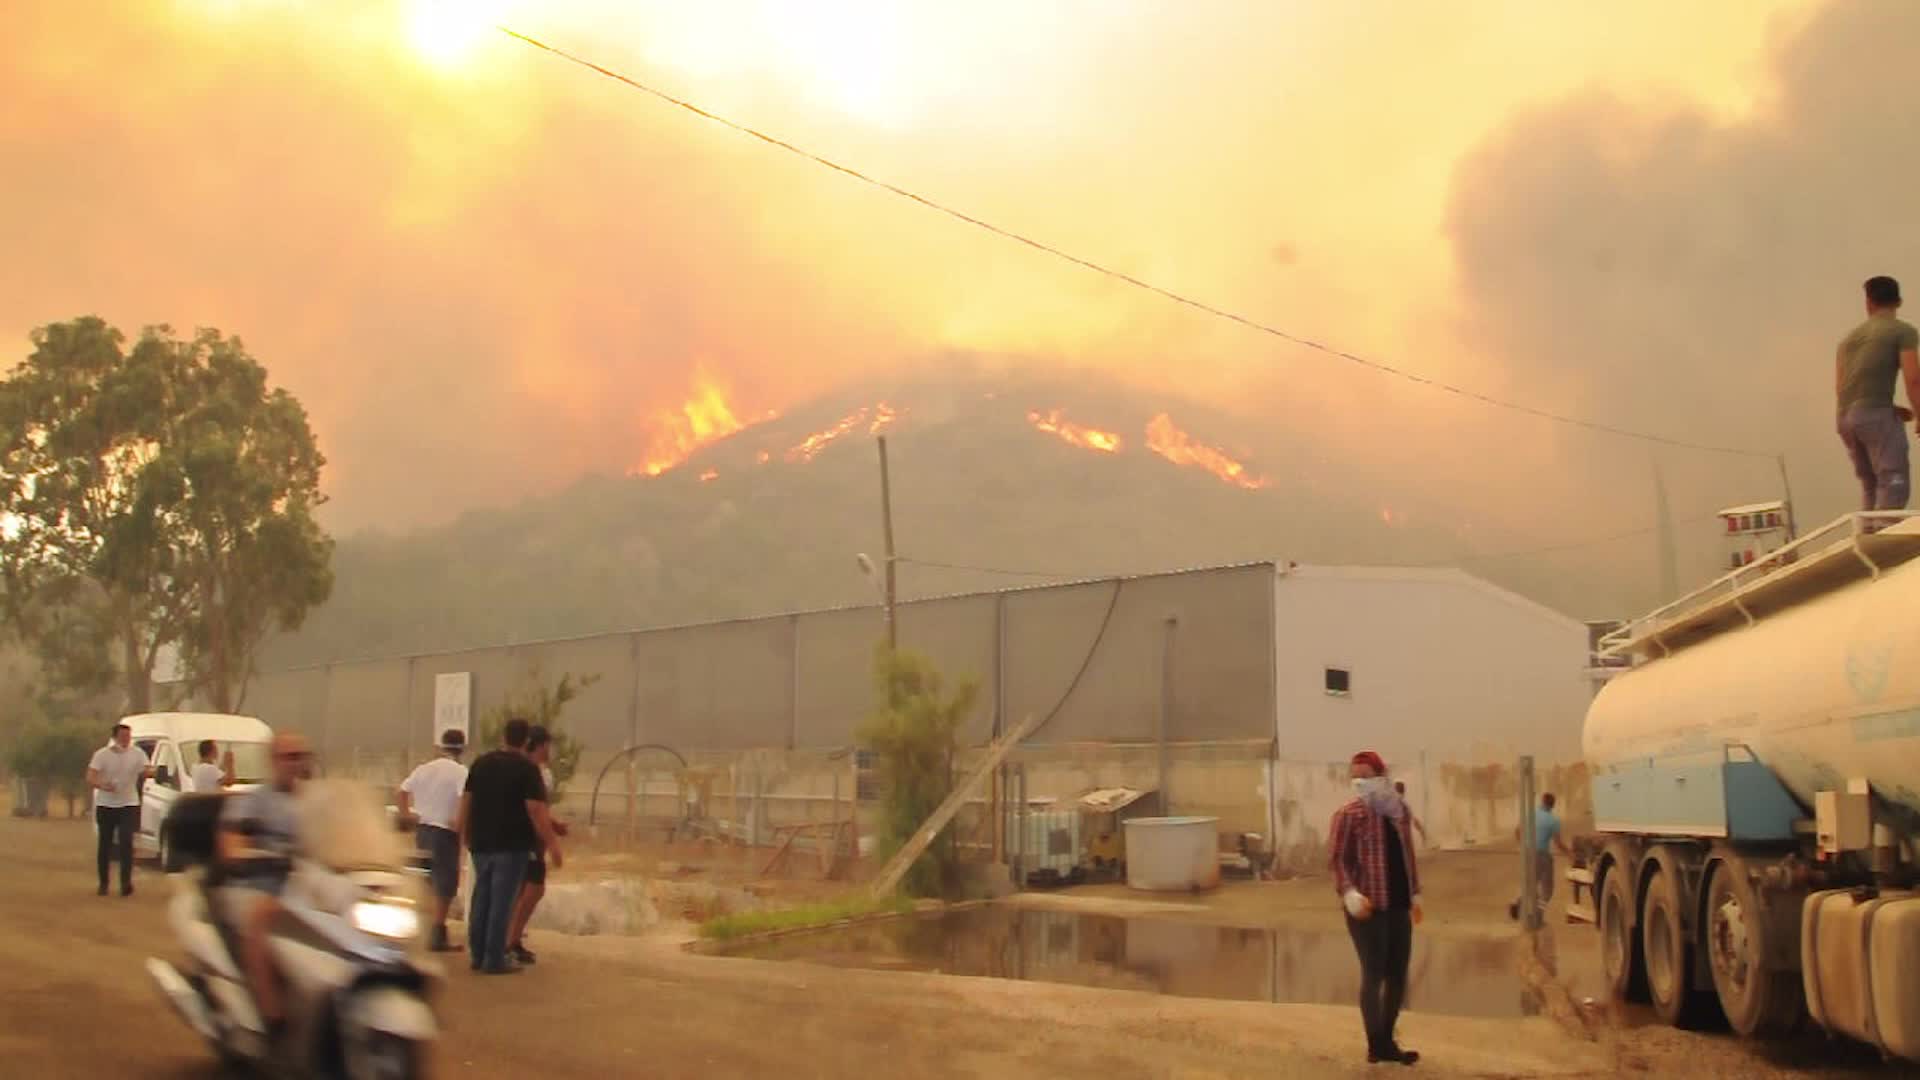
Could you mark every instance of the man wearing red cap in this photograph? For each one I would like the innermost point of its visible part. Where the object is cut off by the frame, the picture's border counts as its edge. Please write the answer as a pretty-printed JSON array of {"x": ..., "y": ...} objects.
[{"x": 1371, "y": 846}]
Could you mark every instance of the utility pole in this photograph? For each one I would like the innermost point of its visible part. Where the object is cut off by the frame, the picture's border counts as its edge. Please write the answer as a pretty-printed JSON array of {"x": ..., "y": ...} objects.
[
  {"x": 1669, "y": 556},
  {"x": 886, "y": 524},
  {"x": 1786, "y": 486}
]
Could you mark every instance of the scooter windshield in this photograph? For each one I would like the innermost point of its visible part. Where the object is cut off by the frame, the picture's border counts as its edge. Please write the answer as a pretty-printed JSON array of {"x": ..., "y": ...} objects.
[{"x": 343, "y": 826}]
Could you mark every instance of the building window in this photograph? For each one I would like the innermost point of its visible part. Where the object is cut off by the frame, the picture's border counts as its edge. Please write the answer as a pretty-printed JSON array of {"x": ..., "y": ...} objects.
[{"x": 1339, "y": 682}]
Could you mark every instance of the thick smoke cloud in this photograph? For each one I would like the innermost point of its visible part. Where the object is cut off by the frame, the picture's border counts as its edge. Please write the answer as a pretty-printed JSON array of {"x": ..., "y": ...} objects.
[
  {"x": 488, "y": 279},
  {"x": 1690, "y": 273}
]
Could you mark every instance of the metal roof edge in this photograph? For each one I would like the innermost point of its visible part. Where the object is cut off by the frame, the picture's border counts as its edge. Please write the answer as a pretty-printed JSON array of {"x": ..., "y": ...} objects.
[
  {"x": 1439, "y": 574},
  {"x": 1267, "y": 564}
]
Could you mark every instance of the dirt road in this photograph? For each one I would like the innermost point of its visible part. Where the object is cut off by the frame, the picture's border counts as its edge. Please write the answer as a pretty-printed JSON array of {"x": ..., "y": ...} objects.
[{"x": 74, "y": 1002}]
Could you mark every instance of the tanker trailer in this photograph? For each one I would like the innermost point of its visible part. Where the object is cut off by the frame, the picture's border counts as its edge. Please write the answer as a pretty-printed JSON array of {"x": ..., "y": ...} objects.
[{"x": 1756, "y": 785}]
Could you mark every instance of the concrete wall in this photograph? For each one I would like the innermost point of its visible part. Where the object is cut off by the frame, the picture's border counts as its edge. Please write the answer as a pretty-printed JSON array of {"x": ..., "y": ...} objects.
[{"x": 1223, "y": 780}]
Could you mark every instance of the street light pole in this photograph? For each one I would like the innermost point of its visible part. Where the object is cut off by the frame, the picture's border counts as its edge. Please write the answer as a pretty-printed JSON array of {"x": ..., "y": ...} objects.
[
  {"x": 886, "y": 524},
  {"x": 1786, "y": 486}
]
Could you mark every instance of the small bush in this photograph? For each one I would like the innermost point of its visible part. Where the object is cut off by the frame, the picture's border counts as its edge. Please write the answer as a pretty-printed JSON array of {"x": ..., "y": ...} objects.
[
  {"x": 57, "y": 755},
  {"x": 541, "y": 704},
  {"x": 913, "y": 734},
  {"x": 728, "y": 927}
]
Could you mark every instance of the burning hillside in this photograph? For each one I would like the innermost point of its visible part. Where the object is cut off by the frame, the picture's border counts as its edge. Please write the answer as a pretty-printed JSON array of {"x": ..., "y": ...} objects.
[
  {"x": 705, "y": 419},
  {"x": 1177, "y": 446},
  {"x": 734, "y": 511},
  {"x": 1162, "y": 438},
  {"x": 708, "y": 418},
  {"x": 1054, "y": 423}
]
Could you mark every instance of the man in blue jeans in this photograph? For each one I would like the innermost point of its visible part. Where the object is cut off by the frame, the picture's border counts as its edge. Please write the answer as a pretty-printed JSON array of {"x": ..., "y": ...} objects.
[
  {"x": 1871, "y": 426},
  {"x": 503, "y": 814}
]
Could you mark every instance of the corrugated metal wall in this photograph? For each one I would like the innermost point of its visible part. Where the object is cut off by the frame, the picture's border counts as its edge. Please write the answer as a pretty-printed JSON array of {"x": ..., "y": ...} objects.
[{"x": 806, "y": 681}]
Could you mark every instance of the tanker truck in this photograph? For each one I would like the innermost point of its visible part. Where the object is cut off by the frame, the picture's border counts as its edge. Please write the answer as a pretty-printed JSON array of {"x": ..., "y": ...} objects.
[{"x": 1756, "y": 790}]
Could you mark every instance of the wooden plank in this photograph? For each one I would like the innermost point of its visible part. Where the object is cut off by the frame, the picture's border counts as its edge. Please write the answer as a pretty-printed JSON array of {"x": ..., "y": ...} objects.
[{"x": 896, "y": 867}]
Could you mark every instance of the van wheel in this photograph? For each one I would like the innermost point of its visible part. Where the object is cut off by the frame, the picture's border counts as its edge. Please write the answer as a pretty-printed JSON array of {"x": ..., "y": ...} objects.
[
  {"x": 1621, "y": 954},
  {"x": 1669, "y": 955}
]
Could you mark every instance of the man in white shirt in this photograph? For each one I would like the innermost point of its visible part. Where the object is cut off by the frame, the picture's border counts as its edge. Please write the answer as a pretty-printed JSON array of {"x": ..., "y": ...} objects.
[
  {"x": 208, "y": 775},
  {"x": 432, "y": 792},
  {"x": 115, "y": 774}
]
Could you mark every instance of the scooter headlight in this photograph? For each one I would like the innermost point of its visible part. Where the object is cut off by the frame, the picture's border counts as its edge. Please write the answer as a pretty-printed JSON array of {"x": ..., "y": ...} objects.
[{"x": 387, "y": 919}]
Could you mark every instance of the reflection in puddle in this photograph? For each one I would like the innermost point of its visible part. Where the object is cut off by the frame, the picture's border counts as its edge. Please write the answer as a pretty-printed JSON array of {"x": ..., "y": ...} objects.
[{"x": 1459, "y": 978}]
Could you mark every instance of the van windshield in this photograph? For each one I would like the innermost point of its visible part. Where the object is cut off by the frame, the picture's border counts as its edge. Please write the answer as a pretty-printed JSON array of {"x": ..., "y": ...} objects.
[{"x": 251, "y": 760}]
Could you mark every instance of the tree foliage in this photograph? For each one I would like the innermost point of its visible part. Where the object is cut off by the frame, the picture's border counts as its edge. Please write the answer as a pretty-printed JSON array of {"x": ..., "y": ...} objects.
[
  {"x": 154, "y": 496},
  {"x": 540, "y": 703},
  {"x": 56, "y": 754},
  {"x": 913, "y": 734}
]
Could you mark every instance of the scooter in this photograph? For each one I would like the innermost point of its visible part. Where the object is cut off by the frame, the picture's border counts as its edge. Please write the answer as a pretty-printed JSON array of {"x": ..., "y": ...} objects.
[{"x": 347, "y": 949}]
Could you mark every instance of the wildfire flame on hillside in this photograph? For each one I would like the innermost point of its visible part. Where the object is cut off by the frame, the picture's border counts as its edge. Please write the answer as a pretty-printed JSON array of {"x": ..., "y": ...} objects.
[
  {"x": 1177, "y": 446},
  {"x": 705, "y": 419},
  {"x": 1054, "y": 423},
  {"x": 882, "y": 417}
]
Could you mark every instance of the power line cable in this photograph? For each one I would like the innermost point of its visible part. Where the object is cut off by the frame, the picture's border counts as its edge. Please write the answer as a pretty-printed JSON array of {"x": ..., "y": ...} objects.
[
  {"x": 1571, "y": 545},
  {"x": 1492, "y": 556},
  {"x": 1004, "y": 572},
  {"x": 1136, "y": 282}
]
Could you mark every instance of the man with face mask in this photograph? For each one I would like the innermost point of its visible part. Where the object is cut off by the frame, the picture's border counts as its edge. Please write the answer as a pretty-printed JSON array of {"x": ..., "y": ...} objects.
[{"x": 1371, "y": 855}]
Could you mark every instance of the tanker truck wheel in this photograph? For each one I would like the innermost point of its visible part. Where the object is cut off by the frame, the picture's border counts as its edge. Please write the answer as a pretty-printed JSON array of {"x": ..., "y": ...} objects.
[
  {"x": 1757, "y": 1001},
  {"x": 1620, "y": 952},
  {"x": 1669, "y": 955}
]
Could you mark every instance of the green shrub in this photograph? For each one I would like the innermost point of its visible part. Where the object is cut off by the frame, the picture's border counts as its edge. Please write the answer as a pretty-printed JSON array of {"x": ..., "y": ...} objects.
[
  {"x": 913, "y": 735},
  {"x": 541, "y": 704},
  {"x": 727, "y": 927},
  {"x": 56, "y": 754}
]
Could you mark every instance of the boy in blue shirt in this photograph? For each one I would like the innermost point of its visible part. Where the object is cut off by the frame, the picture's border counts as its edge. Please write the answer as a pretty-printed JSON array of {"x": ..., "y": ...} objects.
[{"x": 1546, "y": 837}]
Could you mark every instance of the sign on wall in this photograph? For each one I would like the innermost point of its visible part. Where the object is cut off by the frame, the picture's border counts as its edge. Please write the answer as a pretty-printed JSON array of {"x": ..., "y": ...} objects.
[{"x": 453, "y": 703}]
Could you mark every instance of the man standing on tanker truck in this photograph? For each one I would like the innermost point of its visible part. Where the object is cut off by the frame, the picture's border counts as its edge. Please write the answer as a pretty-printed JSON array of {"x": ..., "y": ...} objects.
[{"x": 1871, "y": 426}]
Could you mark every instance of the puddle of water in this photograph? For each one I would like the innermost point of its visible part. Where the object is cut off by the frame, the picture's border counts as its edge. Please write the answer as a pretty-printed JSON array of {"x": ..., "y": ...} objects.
[{"x": 1457, "y": 978}]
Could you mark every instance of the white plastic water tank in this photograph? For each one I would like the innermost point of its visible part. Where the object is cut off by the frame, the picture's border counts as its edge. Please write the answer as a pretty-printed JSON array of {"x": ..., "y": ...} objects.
[{"x": 1172, "y": 854}]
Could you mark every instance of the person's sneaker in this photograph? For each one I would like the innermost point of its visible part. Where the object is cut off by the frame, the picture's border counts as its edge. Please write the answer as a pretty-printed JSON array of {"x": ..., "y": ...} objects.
[
  {"x": 440, "y": 942},
  {"x": 1401, "y": 1055},
  {"x": 522, "y": 954},
  {"x": 103, "y": 889},
  {"x": 127, "y": 889}
]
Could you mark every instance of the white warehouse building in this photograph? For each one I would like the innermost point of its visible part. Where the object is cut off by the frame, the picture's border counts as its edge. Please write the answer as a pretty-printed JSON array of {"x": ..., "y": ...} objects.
[
  {"x": 1238, "y": 692},
  {"x": 1449, "y": 677}
]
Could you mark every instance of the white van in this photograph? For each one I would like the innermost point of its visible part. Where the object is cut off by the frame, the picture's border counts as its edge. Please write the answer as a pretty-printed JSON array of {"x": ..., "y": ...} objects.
[{"x": 172, "y": 742}]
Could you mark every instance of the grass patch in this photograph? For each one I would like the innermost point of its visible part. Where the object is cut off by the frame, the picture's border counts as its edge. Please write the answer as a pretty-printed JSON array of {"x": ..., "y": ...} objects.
[{"x": 727, "y": 927}]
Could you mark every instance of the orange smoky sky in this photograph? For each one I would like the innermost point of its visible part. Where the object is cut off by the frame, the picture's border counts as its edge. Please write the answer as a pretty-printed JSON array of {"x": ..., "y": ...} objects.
[{"x": 487, "y": 272}]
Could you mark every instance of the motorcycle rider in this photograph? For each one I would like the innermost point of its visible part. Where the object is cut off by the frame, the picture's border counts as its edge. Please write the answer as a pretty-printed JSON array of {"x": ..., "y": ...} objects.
[{"x": 257, "y": 823}]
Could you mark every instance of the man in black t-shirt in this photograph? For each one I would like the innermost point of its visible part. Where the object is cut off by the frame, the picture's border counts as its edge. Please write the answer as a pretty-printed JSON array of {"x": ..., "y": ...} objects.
[{"x": 503, "y": 815}]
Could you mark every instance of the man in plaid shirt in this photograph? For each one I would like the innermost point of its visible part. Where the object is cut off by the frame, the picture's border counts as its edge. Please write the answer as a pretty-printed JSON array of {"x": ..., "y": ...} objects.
[{"x": 1371, "y": 855}]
